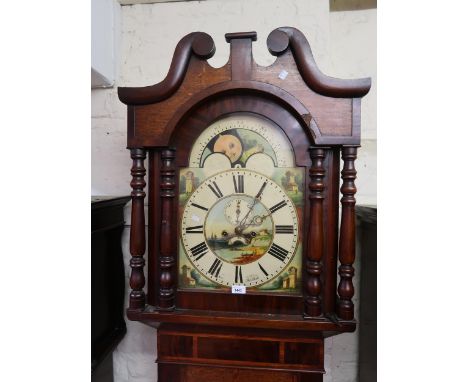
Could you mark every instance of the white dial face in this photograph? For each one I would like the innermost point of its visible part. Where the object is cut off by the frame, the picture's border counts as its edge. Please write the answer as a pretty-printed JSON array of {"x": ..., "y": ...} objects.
[
  {"x": 233, "y": 140},
  {"x": 239, "y": 227}
]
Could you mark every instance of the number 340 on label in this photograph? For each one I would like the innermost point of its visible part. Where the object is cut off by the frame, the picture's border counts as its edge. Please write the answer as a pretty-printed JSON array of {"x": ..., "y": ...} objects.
[{"x": 238, "y": 289}]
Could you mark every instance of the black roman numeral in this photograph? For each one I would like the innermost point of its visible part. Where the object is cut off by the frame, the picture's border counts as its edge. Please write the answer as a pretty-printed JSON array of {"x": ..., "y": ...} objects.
[
  {"x": 215, "y": 268},
  {"x": 239, "y": 185},
  {"x": 198, "y": 206},
  {"x": 199, "y": 250},
  {"x": 263, "y": 270},
  {"x": 259, "y": 193},
  {"x": 277, "y": 206},
  {"x": 284, "y": 229},
  {"x": 216, "y": 190},
  {"x": 194, "y": 229},
  {"x": 278, "y": 252},
  {"x": 239, "y": 274}
]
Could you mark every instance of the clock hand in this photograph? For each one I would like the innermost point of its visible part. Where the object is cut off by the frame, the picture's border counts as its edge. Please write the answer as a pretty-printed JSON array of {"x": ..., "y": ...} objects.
[
  {"x": 238, "y": 211},
  {"x": 242, "y": 224},
  {"x": 257, "y": 220}
]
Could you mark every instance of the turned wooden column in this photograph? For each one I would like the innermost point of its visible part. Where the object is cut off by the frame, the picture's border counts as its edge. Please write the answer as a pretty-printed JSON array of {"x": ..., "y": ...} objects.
[
  {"x": 137, "y": 230},
  {"x": 167, "y": 253},
  {"x": 347, "y": 234},
  {"x": 313, "y": 302}
]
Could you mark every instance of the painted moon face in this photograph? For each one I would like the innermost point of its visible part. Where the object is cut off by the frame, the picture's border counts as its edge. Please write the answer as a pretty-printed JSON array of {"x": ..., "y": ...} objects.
[{"x": 228, "y": 145}]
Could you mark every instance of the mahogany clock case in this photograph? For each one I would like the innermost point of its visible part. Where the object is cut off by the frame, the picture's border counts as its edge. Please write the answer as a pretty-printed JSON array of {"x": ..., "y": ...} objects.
[
  {"x": 201, "y": 332},
  {"x": 186, "y": 132}
]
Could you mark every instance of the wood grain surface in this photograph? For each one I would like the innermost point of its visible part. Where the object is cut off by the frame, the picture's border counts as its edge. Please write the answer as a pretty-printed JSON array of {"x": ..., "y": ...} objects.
[{"x": 218, "y": 336}]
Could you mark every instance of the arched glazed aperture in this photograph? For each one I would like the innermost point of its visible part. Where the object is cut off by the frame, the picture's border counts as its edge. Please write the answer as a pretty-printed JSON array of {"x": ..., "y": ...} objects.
[{"x": 193, "y": 123}]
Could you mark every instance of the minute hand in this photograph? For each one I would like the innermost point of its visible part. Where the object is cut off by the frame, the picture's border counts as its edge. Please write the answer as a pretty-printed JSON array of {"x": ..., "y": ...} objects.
[
  {"x": 242, "y": 224},
  {"x": 258, "y": 220}
]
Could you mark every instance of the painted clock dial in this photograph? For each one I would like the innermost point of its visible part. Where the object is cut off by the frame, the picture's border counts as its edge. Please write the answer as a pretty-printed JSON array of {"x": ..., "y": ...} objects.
[
  {"x": 239, "y": 227},
  {"x": 240, "y": 208}
]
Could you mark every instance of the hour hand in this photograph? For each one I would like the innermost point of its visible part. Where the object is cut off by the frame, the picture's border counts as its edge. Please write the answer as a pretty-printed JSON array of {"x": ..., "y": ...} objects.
[{"x": 258, "y": 220}]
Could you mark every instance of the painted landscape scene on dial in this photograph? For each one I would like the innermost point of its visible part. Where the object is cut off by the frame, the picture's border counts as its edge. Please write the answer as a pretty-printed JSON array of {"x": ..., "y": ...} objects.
[{"x": 259, "y": 237}]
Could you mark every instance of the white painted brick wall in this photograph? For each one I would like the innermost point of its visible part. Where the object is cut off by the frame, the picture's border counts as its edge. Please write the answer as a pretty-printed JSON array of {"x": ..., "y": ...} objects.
[{"x": 343, "y": 45}]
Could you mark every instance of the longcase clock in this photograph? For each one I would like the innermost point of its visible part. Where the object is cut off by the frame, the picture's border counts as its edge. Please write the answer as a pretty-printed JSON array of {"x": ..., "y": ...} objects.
[{"x": 243, "y": 194}]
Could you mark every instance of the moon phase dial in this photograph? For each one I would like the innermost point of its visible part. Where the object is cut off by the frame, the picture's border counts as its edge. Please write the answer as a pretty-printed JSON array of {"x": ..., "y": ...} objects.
[{"x": 237, "y": 139}]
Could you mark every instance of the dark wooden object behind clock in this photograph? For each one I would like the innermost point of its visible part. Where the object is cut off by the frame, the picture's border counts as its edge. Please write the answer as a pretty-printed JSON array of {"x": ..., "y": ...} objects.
[
  {"x": 208, "y": 333},
  {"x": 107, "y": 283}
]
